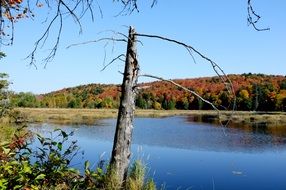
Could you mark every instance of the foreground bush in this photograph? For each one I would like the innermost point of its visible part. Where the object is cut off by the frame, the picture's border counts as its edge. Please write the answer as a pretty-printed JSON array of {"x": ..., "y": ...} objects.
[{"x": 48, "y": 167}]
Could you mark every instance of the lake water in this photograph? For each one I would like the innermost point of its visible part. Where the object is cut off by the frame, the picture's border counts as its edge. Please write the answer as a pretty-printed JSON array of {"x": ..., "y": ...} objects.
[{"x": 183, "y": 154}]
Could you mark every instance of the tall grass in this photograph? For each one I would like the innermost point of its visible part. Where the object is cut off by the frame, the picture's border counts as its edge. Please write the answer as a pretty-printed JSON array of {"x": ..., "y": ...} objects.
[{"x": 136, "y": 179}]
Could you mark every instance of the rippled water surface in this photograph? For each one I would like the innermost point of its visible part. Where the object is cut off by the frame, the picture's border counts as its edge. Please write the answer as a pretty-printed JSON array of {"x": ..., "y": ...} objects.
[{"x": 182, "y": 154}]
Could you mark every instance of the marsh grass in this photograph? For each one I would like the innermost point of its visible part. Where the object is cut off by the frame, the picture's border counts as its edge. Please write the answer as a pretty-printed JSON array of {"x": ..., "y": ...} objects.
[
  {"x": 111, "y": 181},
  {"x": 269, "y": 118},
  {"x": 135, "y": 180},
  {"x": 91, "y": 116},
  {"x": 66, "y": 116}
]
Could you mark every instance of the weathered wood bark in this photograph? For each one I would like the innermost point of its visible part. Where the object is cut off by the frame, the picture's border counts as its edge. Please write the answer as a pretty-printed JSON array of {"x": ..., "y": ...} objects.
[{"x": 122, "y": 141}]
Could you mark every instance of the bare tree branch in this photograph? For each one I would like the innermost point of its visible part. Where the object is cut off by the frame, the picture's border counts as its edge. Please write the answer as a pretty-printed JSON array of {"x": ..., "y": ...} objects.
[
  {"x": 44, "y": 37},
  {"x": 218, "y": 70},
  {"x": 154, "y": 3},
  {"x": 99, "y": 8},
  {"x": 72, "y": 13},
  {"x": 12, "y": 10},
  {"x": 64, "y": 9},
  {"x": 54, "y": 49},
  {"x": 195, "y": 94},
  {"x": 95, "y": 41},
  {"x": 253, "y": 17},
  {"x": 108, "y": 39},
  {"x": 113, "y": 60},
  {"x": 182, "y": 87},
  {"x": 128, "y": 7}
]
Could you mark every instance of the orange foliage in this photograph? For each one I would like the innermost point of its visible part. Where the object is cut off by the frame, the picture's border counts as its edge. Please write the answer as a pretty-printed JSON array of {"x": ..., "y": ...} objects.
[
  {"x": 155, "y": 93},
  {"x": 12, "y": 2}
]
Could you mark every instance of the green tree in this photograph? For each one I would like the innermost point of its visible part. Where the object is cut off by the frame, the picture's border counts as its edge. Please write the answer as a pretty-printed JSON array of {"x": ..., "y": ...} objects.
[
  {"x": 98, "y": 90},
  {"x": 283, "y": 85},
  {"x": 169, "y": 103},
  {"x": 61, "y": 101},
  {"x": 140, "y": 102},
  {"x": 196, "y": 104},
  {"x": 107, "y": 102},
  {"x": 225, "y": 99},
  {"x": 90, "y": 104},
  {"x": 264, "y": 97},
  {"x": 98, "y": 103},
  {"x": 26, "y": 99},
  {"x": 244, "y": 101},
  {"x": 183, "y": 103},
  {"x": 84, "y": 95},
  {"x": 74, "y": 103}
]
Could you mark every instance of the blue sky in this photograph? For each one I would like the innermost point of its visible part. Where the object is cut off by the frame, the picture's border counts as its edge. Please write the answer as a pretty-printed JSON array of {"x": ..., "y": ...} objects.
[{"x": 217, "y": 28}]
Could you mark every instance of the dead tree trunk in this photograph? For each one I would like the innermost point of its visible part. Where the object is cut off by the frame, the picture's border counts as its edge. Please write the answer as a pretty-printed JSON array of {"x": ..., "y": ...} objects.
[{"x": 122, "y": 141}]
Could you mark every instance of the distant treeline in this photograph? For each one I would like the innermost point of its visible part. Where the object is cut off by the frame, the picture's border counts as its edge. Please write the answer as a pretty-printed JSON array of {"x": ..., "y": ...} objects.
[{"x": 253, "y": 92}]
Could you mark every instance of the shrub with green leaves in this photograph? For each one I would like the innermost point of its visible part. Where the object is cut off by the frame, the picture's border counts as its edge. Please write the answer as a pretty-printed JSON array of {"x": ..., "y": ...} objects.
[{"x": 48, "y": 166}]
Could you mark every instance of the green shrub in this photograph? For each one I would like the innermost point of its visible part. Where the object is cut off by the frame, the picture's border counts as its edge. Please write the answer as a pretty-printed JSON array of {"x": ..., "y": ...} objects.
[{"x": 48, "y": 167}]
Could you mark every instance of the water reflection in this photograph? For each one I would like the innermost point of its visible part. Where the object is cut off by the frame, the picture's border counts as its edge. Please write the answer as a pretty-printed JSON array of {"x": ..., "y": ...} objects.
[
  {"x": 255, "y": 127},
  {"x": 187, "y": 154},
  {"x": 263, "y": 132},
  {"x": 183, "y": 133}
]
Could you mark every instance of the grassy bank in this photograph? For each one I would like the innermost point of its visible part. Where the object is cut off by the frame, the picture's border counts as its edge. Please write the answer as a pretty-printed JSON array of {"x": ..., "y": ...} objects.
[
  {"x": 90, "y": 116},
  {"x": 86, "y": 116}
]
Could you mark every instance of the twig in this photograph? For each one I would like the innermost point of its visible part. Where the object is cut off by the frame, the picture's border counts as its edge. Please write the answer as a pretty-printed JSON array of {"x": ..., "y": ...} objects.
[
  {"x": 71, "y": 12},
  {"x": 154, "y": 3},
  {"x": 253, "y": 17},
  {"x": 99, "y": 40},
  {"x": 43, "y": 38},
  {"x": 114, "y": 59},
  {"x": 63, "y": 8},
  {"x": 100, "y": 10},
  {"x": 54, "y": 49}
]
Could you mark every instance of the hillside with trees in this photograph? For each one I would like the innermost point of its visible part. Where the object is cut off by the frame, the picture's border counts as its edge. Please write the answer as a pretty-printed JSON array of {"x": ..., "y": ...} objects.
[{"x": 257, "y": 92}]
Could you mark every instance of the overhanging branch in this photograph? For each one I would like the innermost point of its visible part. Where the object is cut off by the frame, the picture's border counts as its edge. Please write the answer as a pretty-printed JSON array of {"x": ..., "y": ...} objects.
[
  {"x": 218, "y": 70},
  {"x": 75, "y": 9},
  {"x": 182, "y": 87}
]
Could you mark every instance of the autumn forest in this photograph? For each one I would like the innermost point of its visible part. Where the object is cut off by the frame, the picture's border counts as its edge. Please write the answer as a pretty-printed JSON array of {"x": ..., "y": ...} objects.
[{"x": 254, "y": 92}]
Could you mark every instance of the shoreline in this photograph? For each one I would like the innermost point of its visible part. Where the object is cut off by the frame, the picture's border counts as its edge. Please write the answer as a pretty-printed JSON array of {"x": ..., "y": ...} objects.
[{"x": 90, "y": 116}]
